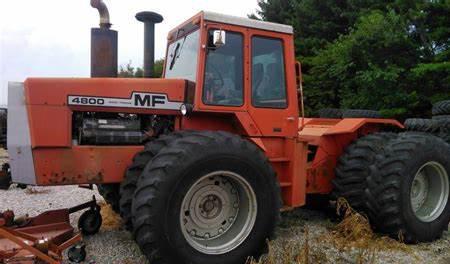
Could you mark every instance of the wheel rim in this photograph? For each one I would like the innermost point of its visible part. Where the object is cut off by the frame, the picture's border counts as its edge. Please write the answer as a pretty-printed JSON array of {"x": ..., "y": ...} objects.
[
  {"x": 429, "y": 191},
  {"x": 218, "y": 212}
]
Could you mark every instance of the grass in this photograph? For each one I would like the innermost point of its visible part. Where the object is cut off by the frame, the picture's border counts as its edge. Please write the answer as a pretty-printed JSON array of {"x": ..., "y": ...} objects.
[
  {"x": 111, "y": 220},
  {"x": 33, "y": 190}
]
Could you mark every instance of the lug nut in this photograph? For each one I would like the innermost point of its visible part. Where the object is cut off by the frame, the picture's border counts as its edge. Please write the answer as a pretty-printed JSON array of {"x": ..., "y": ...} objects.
[
  {"x": 193, "y": 232},
  {"x": 207, "y": 235}
]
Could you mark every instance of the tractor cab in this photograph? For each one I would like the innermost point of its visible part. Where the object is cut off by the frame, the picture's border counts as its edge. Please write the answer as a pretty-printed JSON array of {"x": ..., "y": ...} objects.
[{"x": 238, "y": 65}]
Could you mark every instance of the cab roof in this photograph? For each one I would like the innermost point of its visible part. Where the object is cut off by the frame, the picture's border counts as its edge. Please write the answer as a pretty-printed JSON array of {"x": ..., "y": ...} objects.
[{"x": 246, "y": 22}]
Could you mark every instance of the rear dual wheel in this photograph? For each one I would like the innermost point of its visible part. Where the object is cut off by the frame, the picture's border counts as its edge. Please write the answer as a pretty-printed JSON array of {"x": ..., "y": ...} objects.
[
  {"x": 352, "y": 169},
  {"x": 207, "y": 197},
  {"x": 407, "y": 192},
  {"x": 400, "y": 181}
]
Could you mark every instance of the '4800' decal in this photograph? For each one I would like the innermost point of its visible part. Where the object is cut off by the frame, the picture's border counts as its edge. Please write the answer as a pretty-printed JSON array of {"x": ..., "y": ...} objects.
[
  {"x": 79, "y": 100},
  {"x": 137, "y": 100}
]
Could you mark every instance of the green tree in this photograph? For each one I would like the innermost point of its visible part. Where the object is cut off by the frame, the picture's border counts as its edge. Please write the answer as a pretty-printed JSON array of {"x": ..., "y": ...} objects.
[
  {"x": 363, "y": 68},
  {"x": 128, "y": 71},
  {"x": 391, "y": 55}
]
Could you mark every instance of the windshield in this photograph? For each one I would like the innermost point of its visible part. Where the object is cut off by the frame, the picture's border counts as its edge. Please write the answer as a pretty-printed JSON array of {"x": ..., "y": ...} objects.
[{"x": 181, "y": 61}]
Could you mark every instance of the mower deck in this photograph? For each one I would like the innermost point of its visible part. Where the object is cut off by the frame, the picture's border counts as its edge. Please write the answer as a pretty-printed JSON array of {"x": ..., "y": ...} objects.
[{"x": 43, "y": 237}]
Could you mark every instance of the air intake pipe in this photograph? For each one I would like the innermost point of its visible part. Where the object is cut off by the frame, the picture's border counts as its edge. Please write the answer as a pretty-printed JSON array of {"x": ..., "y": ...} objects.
[
  {"x": 149, "y": 19},
  {"x": 103, "y": 44}
]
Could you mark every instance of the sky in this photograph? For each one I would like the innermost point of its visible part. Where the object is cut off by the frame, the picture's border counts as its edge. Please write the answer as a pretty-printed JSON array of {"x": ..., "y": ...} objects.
[{"x": 51, "y": 38}]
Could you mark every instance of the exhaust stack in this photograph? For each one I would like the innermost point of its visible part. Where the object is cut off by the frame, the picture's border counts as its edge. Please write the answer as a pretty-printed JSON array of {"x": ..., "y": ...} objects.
[
  {"x": 103, "y": 44},
  {"x": 149, "y": 19},
  {"x": 103, "y": 12}
]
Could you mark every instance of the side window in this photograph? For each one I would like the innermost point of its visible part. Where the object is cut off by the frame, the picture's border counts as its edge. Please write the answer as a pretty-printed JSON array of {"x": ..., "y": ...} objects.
[
  {"x": 268, "y": 76},
  {"x": 223, "y": 82}
]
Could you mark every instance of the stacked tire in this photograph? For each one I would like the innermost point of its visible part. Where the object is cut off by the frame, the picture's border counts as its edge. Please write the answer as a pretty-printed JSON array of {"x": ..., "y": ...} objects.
[
  {"x": 334, "y": 113},
  {"x": 441, "y": 115},
  {"x": 400, "y": 182},
  {"x": 439, "y": 125}
]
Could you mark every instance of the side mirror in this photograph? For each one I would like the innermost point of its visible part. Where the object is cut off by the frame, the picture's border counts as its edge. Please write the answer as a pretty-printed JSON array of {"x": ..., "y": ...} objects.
[{"x": 219, "y": 38}]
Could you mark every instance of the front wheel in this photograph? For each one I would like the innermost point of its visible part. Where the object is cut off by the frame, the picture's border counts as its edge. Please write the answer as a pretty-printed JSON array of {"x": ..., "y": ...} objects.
[{"x": 208, "y": 197}]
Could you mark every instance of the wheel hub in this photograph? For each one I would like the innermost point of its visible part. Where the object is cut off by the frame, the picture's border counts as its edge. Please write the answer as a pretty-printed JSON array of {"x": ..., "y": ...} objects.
[
  {"x": 218, "y": 212},
  {"x": 429, "y": 191},
  {"x": 208, "y": 213}
]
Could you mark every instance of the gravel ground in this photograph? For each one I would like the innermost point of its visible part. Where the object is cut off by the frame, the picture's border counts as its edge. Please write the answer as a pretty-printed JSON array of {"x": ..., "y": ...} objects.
[{"x": 115, "y": 245}]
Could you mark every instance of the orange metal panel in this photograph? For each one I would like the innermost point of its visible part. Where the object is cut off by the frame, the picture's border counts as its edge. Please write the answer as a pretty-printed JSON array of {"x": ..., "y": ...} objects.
[
  {"x": 54, "y": 91},
  {"x": 296, "y": 194},
  {"x": 248, "y": 124},
  {"x": 82, "y": 164},
  {"x": 288, "y": 158},
  {"x": 50, "y": 126},
  {"x": 210, "y": 121},
  {"x": 352, "y": 124},
  {"x": 321, "y": 170}
]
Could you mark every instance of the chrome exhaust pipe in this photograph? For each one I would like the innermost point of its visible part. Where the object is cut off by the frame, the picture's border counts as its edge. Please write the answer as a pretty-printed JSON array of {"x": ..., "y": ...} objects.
[{"x": 103, "y": 12}]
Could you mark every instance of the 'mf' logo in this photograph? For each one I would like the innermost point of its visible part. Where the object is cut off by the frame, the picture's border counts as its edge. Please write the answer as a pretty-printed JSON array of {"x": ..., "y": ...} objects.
[
  {"x": 136, "y": 100},
  {"x": 149, "y": 100}
]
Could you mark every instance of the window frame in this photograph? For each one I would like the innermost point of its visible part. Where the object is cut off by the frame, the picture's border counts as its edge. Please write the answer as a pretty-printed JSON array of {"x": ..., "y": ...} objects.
[
  {"x": 242, "y": 35},
  {"x": 284, "y": 71},
  {"x": 196, "y": 28}
]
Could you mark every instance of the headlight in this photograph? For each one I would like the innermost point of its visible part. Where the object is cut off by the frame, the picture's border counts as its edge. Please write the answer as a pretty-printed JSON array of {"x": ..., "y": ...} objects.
[{"x": 185, "y": 109}]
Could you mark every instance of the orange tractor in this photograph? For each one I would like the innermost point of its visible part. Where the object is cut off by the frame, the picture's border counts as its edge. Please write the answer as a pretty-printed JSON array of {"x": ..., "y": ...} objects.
[{"x": 200, "y": 162}]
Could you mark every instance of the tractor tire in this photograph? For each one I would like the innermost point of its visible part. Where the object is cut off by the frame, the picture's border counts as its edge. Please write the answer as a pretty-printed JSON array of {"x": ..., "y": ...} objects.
[
  {"x": 330, "y": 113},
  {"x": 352, "y": 169},
  {"x": 215, "y": 177},
  {"x": 407, "y": 191},
  {"x": 134, "y": 171},
  {"x": 437, "y": 126},
  {"x": 442, "y": 117},
  {"x": 360, "y": 113},
  {"x": 110, "y": 192},
  {"x": 444, "y": 129},
  {"x": 441, "y": 108},
  {"x": 422, "y": 125}
]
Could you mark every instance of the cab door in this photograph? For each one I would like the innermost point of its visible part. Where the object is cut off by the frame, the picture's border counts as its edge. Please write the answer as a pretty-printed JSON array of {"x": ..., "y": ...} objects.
[{"x": 273, "y": 103}]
